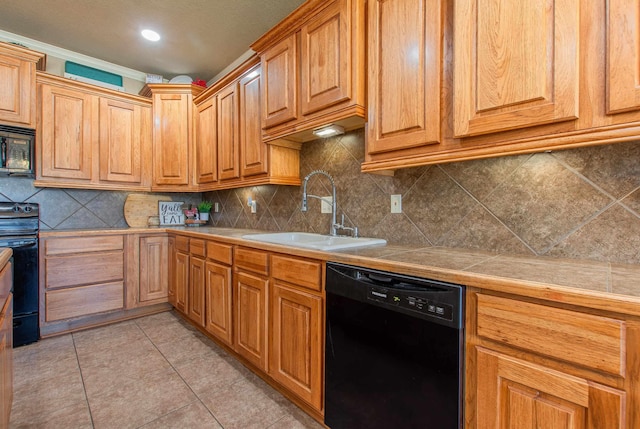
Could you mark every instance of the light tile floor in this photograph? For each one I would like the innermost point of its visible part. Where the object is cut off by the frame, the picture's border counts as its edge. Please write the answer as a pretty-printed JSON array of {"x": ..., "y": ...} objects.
[{"x": 153, "y": 372}]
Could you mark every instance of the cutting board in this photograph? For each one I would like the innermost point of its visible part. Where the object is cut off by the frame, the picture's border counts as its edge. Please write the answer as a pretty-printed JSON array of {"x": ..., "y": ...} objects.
[{"x": 138, "y": 208}]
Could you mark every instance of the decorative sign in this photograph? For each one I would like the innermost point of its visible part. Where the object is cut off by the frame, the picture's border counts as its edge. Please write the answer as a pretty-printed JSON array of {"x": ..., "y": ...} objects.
[{"x": 170, "y": 212}]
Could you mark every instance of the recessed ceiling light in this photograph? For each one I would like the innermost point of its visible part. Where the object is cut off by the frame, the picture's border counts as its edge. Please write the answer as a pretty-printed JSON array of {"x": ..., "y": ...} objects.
[{"x": 150, "y": 35}]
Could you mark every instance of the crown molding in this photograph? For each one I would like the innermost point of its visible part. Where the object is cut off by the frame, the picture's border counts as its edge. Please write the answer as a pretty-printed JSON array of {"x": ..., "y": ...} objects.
[{"x": 66, "y": 54}]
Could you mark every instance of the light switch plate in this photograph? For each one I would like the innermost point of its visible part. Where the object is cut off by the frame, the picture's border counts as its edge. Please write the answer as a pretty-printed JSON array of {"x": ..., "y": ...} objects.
[
  {"x": 396, "y": 203},
  {"x": 326, "y": 203}
]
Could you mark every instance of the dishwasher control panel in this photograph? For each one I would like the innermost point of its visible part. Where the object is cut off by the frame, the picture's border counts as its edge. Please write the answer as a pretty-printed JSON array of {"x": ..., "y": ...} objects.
[{"x": 410, "y": 301}]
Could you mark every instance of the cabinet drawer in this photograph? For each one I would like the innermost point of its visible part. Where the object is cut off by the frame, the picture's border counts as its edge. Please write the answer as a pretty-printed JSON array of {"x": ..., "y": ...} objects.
[
  {"x": 182, "y": 243},
  {"x": 83, "y": 269},
  {"x": 591, "y": 341},
  {"x": 197, "y": 247},
  {"x": 301, "y": 272},
  {"x": 252, "y": 260},
  {"x": 218, "y": 252},
  {"x": 62, "y": 246},
  {"x": 80, "y": 301}
]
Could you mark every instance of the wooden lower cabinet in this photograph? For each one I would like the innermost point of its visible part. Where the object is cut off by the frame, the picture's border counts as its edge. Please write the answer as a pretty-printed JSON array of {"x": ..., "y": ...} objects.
[
  {"x": 196, "y": 289},
  {"x": 547, "y": 365},
  {"x": 250, "y": 317},
  {"x": 181, "y": 265},
  {"x": 218, "y": 307},
  {"x": 295, "y": 341},
  {"x": 153, "y": 270},
  {"x": 514, "y": 393},
  {"x": 266, "y": 307},
  {"x": 6, "y": 344},
  {"x": 81, "y": 276}
]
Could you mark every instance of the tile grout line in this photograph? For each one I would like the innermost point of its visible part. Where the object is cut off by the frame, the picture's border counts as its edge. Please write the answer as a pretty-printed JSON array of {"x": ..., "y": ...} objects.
[
  {"x": 181, "y": 378},
  {"x": 86, "y": 396}
]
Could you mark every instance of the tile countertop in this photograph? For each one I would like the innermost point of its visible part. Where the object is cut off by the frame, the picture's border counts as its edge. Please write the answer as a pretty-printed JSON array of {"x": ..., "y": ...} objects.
[{"x": 598, "y": 285}]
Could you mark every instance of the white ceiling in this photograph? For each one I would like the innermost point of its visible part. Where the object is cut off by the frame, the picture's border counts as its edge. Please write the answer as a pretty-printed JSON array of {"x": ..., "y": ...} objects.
[{"x": 199, "y": 37}]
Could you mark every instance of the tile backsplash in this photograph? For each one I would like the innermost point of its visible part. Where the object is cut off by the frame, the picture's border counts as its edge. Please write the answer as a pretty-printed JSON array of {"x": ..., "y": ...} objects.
[
  {"x": 579, "y": 203},
  {"x": 74, "y": 208}
]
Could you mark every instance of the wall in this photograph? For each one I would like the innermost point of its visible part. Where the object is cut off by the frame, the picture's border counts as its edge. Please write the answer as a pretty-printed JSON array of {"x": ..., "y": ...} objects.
[
  {"x": 581, "y": 203},
  {"x": 74, "y": 208}
]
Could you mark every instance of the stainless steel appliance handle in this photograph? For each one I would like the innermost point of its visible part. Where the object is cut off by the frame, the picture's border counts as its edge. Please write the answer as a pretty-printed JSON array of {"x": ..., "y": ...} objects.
[
  {"x": 19, "y": 243},
  {"x": 4, "y": 152}
]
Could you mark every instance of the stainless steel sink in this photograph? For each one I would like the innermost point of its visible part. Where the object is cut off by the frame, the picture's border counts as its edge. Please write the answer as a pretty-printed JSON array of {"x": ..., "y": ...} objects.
[{"x": 309, "y": 240}]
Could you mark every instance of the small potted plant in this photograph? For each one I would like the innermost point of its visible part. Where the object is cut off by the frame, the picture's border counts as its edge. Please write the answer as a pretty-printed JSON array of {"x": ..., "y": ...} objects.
[{"x": 204, "y": 208}]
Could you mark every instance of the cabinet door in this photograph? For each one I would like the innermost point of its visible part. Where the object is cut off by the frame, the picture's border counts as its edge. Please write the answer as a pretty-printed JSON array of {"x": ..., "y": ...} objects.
[
  {"x": 65, "y": 133},
  {"x": 124, "y": 133},
  {"x": 253, "y": 151},
  {"x": 325, "y": 58},
  {"x": 516, "y": 394},
  {"x": 250, "y": 307},
  {"x": 171, "y": 139},
  {"x": 154, "y": 259},
  {"x": 405, "y": 49},
  {"x": 295, "y": 358},
  {"x": 16, "y": 92},
  {"x": 516, "y": 64},
  {"x": 279, "y": 68},
  {"x": 218, "y": 301},
  {"x": 206, "y": 142},
  {"x": 196, "y": 290},
  {"x": 171, "y": 287},
  {"x": 623, "y": 56},
  {"x": 181, "y": 281},
  {"x": 228, "y": 133}
]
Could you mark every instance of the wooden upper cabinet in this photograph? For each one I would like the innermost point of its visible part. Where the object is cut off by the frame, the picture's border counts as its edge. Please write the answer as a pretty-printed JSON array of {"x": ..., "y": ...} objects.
[
  {"x": 174, "y": 159},
  {"x": 253, "y": 152},
  {"x": 91, "y": 137},
  {"x": 516, "y": 64},
  {"x": 18, "y": 89},
  {"x": 206, "y": 140},
  {"x": 623, "y": 56},
  {"x": 313, "y": 65},
  {"x": 228, "y": 133},
  {"x": 171, "y": 139},
  {"x": 125, "y": 141},
  {"x": 65, "y": 133},
  {"x": 405, "y": 46},
  {"x": 325, "y": 53},
  {"x": 280, "y": 71}
]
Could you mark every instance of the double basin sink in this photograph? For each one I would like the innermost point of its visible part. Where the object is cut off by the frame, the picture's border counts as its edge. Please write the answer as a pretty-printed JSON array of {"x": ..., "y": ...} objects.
[{"x": 313, "y": 241}]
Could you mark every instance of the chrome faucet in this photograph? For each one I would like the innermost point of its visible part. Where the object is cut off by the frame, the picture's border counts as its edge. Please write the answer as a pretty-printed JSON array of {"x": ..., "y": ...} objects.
[
  {"x": 334, "y": 203},
  {"x": 335, "y": 226}
]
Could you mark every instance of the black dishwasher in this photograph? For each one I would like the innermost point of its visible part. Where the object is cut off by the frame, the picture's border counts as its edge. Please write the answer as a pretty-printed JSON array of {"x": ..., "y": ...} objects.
[{"x": 394, "y": 351}]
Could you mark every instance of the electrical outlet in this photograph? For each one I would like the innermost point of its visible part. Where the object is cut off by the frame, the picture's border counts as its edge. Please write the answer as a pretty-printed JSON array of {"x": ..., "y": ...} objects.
[
  {"x": 326, "y": 203},
  {"x": 216, "y": 207},
  {"x": 396, "y": 203}
]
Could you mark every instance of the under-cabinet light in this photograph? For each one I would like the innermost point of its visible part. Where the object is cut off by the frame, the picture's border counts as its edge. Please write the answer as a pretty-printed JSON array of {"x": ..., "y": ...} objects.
[{"x": 328, "y": 131}]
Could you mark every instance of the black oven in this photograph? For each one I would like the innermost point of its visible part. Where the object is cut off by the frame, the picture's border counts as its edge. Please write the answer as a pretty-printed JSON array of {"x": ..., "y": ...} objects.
[{"x": 19, "y": 231}]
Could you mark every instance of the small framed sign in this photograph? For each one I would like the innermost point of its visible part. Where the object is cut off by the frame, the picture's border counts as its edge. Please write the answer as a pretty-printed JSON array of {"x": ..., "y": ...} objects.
[{"x": 170, "y": 212}]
